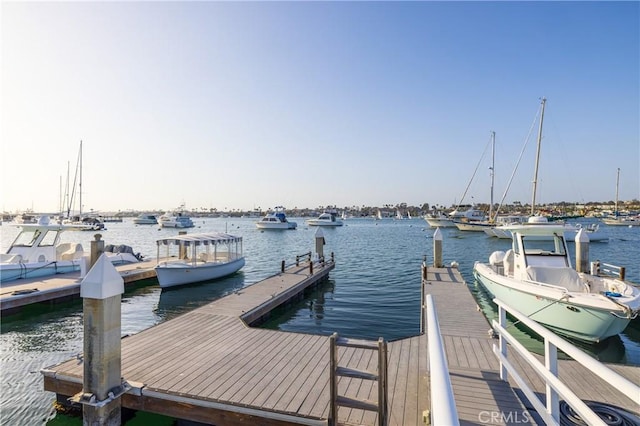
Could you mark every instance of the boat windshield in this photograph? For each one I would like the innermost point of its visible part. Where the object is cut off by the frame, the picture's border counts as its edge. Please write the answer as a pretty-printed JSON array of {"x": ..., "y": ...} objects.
[
  {"x": 28, "y": 238},
  {"x": 543, "y": 246}
]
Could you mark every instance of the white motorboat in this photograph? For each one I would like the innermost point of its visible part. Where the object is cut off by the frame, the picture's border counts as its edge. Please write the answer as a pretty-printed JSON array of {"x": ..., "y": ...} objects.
[
  {"x": 536, "y": 277},
  {"x": 146, "y": 219},
  {"x": 328, "y": 218},
  {"x": 277, "y": 219},
  {"x": 175, "y": 220},
  {"x": 192, "y": 258},
  {"x": 439, "y": 219},
  {"x": 38, "y": 252}
]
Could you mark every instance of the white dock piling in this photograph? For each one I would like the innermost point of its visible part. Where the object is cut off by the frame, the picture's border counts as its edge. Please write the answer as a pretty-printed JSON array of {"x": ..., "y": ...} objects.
[
  {"x": 101, "y": 291},
  {"x": 320, "y": 243},
  {"x": 582, "y": 251},
  {"x": 437, "y": 248}
]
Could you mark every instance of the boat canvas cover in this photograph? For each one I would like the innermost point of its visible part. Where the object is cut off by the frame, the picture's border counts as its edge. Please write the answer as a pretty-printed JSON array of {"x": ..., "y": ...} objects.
[{"x": 199, "y": 239}]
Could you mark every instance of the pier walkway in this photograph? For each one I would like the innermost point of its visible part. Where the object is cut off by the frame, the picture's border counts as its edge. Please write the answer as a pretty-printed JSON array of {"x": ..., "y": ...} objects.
[
  {"x": 19, "y": 293},
  {"x": 209, "y": 365}
]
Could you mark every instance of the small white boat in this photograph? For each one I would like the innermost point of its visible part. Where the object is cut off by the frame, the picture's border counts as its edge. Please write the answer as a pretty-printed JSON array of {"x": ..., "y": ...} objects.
[
  {"x": 439, "y": 220},
  {"x": 87, "y": 223},
  {"x": 146, "y": 219},
  {"x": 277, "y": 219},
  {"x": 175, "y": 220},
  {"x": 328, "y": 218},
  {"x": 536, "y": 277},
  {"x": 192, "y": 258},
  {"x": 450, "y": 220},
  {"x": 38, "y": 252},
  {"x": 622, "y": 221}
]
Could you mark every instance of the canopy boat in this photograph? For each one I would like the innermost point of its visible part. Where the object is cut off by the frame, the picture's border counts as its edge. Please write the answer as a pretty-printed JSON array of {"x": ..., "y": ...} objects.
[
  {"x": 328, "y": 218},
  {"x": 192, "y": 258},
  {"x": 536, "y": 277},
  {"x": 38, "y": 252},
  {"x": 276, "y": 219},
  {"x": 146, "y": 219}
]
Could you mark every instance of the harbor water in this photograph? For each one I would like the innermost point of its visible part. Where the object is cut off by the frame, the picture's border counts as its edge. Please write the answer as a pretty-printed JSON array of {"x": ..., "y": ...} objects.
[{"x": 373, "y": 291}]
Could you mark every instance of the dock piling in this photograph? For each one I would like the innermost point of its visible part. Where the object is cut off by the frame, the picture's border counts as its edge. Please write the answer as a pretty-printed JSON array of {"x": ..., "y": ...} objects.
[
  {"x": 320, "y": 243},
  {"x": 97, "y": 248},
  {"x": 582, "y": 251},
  {"x": 437, "y": 248},
  {"x": 101, "y": 291}
]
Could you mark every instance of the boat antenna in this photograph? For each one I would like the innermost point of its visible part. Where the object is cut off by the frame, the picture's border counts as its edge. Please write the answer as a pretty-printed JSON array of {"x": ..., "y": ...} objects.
[{"x": 535, "y": 173}]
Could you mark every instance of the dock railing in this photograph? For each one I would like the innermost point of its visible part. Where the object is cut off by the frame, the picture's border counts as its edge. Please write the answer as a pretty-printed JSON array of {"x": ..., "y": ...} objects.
[
  {"x": 443, "y": 404},
  {"x": 607, "y": 270},
  {"x": 555, "y": 389}
]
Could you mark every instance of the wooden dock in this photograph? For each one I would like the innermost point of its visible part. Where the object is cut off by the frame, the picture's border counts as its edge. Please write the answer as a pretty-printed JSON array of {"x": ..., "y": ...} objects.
[
  {"x": 14, "y": 295},
  {"x": 209, "y": 365}
]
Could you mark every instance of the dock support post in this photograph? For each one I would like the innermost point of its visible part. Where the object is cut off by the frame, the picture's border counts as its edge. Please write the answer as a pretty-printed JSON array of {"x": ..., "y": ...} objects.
[
  {"x": 582, "y": 251},
  {"x": 320, "y": 243},
  {"x": 437, "y": 248},
  {"x": 101, "y": 292},
  {"x": 97, "y": 248}
]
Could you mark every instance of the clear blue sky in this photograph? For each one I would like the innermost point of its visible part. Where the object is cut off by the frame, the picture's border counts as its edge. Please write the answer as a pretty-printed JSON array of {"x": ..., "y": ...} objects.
[{"x": 239, "y": 105}]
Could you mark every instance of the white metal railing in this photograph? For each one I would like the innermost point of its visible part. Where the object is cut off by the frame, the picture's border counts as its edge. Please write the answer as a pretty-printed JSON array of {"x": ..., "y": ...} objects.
[
  {"x": 443, "y": 404},
  {"x": 555, "y": 389}
]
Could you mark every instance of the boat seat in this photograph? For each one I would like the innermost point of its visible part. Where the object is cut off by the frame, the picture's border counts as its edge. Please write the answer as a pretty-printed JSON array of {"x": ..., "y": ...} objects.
[
  {"x": 562, "y": 277},
  {"x": 507, "y": 262},
  {"x": 69, "y": 251}
]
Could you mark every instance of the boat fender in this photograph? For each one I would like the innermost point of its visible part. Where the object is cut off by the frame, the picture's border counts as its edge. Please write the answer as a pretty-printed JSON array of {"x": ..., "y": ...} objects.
[{"x": 612, "y": 294}]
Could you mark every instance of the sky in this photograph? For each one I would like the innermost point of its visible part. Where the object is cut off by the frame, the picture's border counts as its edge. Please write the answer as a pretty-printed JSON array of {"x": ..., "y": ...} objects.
[{"x": 245, "y": 105}]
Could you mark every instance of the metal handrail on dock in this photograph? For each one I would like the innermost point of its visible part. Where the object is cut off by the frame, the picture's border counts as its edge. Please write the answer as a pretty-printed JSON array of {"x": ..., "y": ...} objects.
[
  {"x": 443, "y": 404},
  {"x": 549, "y": 371}
]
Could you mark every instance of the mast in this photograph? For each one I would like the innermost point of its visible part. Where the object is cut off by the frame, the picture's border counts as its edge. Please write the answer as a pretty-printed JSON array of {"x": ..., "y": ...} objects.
[
  {"x": 80, "y": 184},
  {"x": 535, "y": 173},
  {"x": 617, "y": 186},
  {"x": 493, "y": 162}
]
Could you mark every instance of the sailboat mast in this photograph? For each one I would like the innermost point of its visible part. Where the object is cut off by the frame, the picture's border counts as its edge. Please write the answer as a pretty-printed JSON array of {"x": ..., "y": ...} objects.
[
  {"x": 535, "y": 173},
  {"x": 493, "y": 162},
  {"x": 80, "y": 184},
  {"x": 617, "y": 186}
]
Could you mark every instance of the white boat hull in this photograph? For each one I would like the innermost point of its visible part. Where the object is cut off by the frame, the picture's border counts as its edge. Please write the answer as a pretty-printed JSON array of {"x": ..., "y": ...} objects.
[
  {"x": 438, "y": 222},
  {"x": 547, "y": 306},
  {"x": 315, "y": 222},
  {"x": 275, "y": 225},
  {"x": 16, "y": 271},
  {"x": 171, "y": 274}
]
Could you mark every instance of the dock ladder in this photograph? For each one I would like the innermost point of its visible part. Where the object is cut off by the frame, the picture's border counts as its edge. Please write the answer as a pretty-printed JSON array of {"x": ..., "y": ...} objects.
[{"x": 336, "y": 371}]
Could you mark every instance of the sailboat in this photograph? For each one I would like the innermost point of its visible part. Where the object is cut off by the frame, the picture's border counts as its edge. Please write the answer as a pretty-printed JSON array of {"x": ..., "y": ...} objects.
[
  {"x": 618, "y": 220},
  {"x": 79, "y": 222},
  {"x": 481, "y": 225},
  {"x": 536, "y": 277}
]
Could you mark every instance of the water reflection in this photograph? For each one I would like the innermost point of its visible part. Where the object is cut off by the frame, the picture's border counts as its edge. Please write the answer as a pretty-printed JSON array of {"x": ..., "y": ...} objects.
[{"x": 178, "y": 300}]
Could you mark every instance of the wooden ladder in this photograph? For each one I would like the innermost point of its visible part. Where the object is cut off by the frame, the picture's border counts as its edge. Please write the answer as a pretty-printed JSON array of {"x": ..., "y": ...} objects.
[{"x": 337, "y": 371}]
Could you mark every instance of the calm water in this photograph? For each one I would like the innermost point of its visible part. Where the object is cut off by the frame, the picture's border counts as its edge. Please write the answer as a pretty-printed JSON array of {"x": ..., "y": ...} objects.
[{"x": 373, "y": 291}]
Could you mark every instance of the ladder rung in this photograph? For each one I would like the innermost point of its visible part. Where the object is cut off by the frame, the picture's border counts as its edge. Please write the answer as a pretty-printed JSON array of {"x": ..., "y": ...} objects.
[
  {"x": 356, "y": 343},
  {"x": 359, "y": 404},
  {"x": 356, "y": 374}
]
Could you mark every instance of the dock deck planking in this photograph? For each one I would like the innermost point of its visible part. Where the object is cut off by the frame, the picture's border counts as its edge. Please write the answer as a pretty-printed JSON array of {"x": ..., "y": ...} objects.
[{"x": 209, "y": 354}]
